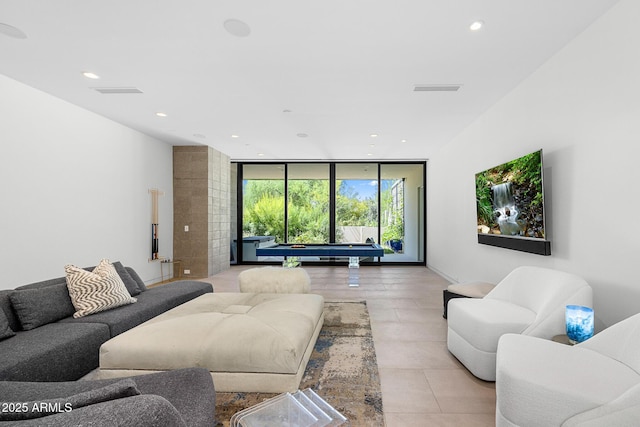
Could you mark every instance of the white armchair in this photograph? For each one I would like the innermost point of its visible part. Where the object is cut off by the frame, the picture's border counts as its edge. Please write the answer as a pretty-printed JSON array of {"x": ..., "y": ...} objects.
[
  {"x": 529, "y": 301},
  {"x": 592, "y": 384}
]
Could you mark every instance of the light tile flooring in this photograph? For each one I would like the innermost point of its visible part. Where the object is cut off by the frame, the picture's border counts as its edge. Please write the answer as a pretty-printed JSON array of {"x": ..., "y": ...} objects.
[{"x": 422, "y": 383}]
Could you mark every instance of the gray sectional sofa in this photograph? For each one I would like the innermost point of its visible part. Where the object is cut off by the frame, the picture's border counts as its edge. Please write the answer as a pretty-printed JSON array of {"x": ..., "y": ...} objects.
[{"x": 44, "y": 342}]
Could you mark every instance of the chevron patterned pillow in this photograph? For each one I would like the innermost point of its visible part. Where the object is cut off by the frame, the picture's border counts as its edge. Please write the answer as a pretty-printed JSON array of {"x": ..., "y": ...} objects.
[{"x": 97, "y": 290}]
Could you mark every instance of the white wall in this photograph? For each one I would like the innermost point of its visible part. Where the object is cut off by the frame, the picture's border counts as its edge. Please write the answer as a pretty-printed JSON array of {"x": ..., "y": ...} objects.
[
  {"x": 583, "y": 109},
  {"x": 74, "y": 189}
]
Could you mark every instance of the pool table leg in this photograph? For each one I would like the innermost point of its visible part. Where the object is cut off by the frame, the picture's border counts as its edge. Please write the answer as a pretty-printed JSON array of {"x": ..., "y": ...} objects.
[{"x": 354, "y": 271}]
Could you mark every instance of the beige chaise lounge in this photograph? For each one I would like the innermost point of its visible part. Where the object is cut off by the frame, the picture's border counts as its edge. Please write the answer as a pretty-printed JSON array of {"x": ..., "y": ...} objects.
[{"x": 249, "y": 342}]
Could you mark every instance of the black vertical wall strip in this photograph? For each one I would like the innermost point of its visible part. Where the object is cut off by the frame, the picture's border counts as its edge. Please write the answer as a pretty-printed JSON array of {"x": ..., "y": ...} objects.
[
  {"x": 286, "y": 203},
  {"x": 239, "y": 205},
  {"x": 332, "y": 202}
]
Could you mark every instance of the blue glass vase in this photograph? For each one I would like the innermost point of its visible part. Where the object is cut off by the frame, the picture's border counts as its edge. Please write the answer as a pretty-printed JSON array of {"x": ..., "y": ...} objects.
[{"x": 579, "y": 323}]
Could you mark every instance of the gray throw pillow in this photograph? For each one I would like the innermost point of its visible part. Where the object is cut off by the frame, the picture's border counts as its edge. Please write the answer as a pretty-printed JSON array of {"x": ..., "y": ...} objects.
[
  {"x": 18, "y": 411},
  {"x": 128, "y": 281},
  {"x": 137, "y": 278},
  {"x": 37, "y": 307},
  {"x": 7, "y": 307},
  {"x": 5, "y": 329}
]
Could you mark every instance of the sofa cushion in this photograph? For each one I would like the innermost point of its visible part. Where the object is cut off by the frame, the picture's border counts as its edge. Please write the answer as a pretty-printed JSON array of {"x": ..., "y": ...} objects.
[
  {"x": 481, "y": 322},
  {"x": 129, "y": 283},
  {"x": 37, "y": 307},
  {"x": 5, "y": 329},
  {"x": 96, "y": 291},
  {"x": 42, "y": 408},
  {"x": 52, "y": 352},
  {"x": 123, "y": 318},
  {"x": 175, "y": 293},
  {"x": 149, "y": 304}
]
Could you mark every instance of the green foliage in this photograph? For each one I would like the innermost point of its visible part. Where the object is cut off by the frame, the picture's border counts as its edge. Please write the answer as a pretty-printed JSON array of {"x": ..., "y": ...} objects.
[
  {"x": 265, "y": 217},
  {"x": 483, "y": 199},
  {"x": 525, "y": 170},
  {"x": 256, "y": 189},
  {"x": 308, "y": 210},
  {"x": 393, "y": 215},
  {"x": 395, "y": 230},
  {"x": 350, "y": 210}
]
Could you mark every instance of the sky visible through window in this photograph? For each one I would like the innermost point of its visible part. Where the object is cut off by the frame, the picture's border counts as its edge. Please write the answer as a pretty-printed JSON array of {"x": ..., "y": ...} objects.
[{"x": 366, "y": 189}]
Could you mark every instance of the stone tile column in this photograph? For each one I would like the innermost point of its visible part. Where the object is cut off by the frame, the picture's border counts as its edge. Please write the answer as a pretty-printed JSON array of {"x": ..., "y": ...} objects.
[{"x": 201, "y": 203}]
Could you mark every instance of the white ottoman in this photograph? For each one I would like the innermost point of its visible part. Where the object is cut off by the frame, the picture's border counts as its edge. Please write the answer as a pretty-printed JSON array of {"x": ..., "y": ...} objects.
[
  {"x": 275, "y": 280},
  {"x": 249, "y": 342}
]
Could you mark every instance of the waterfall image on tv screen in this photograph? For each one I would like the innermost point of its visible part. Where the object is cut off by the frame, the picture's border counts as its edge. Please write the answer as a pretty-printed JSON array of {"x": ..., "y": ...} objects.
[{"x": 510, "y": 200}]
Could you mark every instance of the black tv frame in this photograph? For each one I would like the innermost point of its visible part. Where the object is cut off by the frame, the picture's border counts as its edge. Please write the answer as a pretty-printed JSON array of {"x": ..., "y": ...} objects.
[{"x": 519, "y": 243}]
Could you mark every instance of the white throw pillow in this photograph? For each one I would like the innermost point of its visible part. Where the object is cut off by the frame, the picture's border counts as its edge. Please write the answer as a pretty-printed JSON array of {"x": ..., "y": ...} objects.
[{"x": 97, "y": 290}]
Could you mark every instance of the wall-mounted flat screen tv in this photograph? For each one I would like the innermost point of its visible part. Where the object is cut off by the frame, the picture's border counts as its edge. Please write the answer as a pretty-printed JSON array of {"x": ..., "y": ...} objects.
[{"x": 510, "y": 205}]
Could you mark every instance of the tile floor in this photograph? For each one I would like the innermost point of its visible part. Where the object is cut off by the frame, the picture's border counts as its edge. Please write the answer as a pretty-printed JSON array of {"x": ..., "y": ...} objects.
[{"x": 422, "y": 384}]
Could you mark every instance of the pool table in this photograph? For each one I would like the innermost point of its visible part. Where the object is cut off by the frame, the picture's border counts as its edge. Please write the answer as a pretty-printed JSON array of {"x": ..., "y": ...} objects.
[{"x": 331, "y": 250}]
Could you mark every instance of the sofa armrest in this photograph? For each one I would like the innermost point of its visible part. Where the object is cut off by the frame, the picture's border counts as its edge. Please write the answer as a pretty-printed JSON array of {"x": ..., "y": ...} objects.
[
  {"x": 552, "y": 382},
  {"x": 140, "y": 411},
  {"x": 190, "y": 391},
  {"x": 623, "y": 411}
]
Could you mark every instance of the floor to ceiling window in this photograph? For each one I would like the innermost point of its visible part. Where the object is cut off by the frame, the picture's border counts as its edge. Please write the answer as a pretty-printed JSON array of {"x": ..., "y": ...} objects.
[
  {"x": 356, "y": 202},
  {"x": 332, "y": 202},
  {"x": 263, "y": 207},
  {"x": 402, "y": 212},
  {"x": 308, "y": 203}
]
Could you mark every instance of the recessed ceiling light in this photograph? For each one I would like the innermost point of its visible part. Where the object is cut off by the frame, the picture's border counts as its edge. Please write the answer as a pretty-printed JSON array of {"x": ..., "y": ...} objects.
[
  {"x": 235, "y": 136},
  {"x": 369, "y": 154},
  {"x": 404, "y": 140},
  {"x": 260, "y": 154},
  {"x": 372, "y": 145},
  {"x": 117, "y": 90},
  {"x": 11, "y": 31},
  {"x": 476, "y": 25},
  {"x": 237, "y": 28},
  {"x": 374, "y": 135},
  {"x": 436, "y": 87},
  {"x": 90, "y": 75},
  {"x": 161, "y": 114}
]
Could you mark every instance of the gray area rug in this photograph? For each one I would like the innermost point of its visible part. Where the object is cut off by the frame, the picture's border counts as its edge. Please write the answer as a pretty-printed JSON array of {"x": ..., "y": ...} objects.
[{"x": 342, "y": 369}]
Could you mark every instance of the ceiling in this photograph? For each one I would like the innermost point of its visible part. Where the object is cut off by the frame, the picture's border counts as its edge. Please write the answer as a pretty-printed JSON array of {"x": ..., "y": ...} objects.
[{"x": 312, "y": 79}]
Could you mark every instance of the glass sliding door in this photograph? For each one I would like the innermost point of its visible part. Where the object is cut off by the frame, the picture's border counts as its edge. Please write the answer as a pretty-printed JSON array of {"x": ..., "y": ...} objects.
[
  {"x": 402, "y": 212},
  {"x": 263, "y": 209},
  {"x": 332, "y": 202},
  {"x": 308, "y": 203},
  {"x": 356, "y": 203}
]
